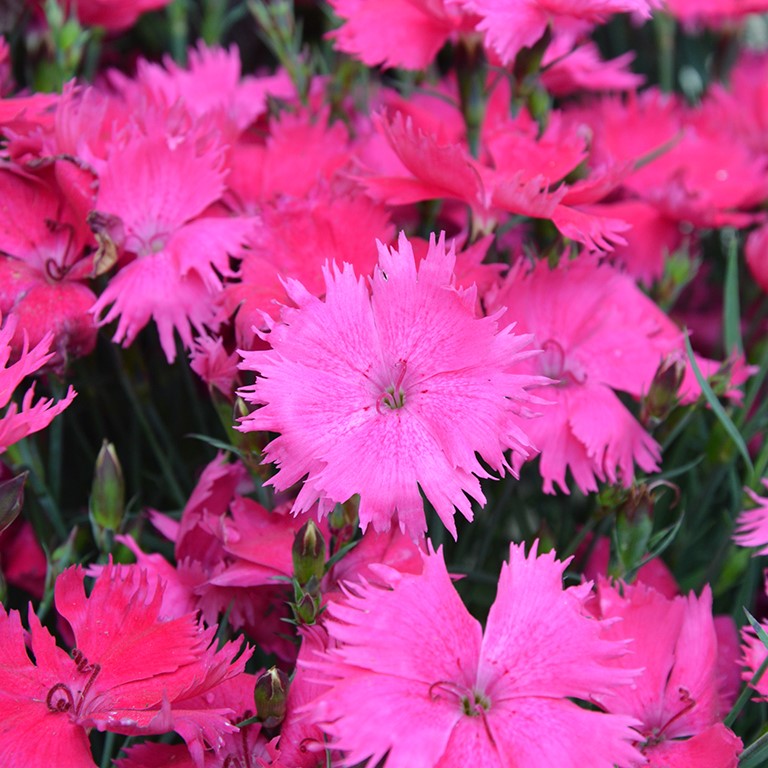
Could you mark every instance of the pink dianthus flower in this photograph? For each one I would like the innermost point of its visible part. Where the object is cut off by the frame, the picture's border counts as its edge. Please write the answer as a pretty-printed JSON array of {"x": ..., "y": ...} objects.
[
  {"x": 752, "y": 525},
  {"x": 18, "y": 422},
  {"x": 449, "y": 695},
  {"x": 382, "y": 391},
  {"x": 131, "y": 672}
]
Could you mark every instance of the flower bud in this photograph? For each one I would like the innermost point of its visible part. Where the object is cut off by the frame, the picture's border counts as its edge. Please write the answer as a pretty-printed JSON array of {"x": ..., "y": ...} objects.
[
  {"x": 11, "y": 499},
  {"x": 308, "y": 553},
  {"x": 270, "y": 695},
  {"x": 662, "y": 396},
  {"x": 306, "y": 608},
  {"x": 107, "y": 502}
]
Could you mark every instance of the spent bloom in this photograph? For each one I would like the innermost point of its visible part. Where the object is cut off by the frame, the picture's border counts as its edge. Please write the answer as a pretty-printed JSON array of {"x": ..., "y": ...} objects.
[
  {"x": 385, "y": 388},
  {"x": 448, "y": 694}
]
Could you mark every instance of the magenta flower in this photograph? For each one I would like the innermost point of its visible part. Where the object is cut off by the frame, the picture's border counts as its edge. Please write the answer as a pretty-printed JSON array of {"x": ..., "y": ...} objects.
[
  {"x": 385, "y": 391},
  {"x": 397, "y": 33},
  {"x": 130, "y": 672},
  {"x": 18, "y": 422},
  {"x": 448, "y": 695},
  {"x": 752, "y": 525},
  {"x": 161, "y": 188},
  {"x": 511, "y": 25},
  {"x": 599, "y": 334},
  {"x": 678, "y": 698}
]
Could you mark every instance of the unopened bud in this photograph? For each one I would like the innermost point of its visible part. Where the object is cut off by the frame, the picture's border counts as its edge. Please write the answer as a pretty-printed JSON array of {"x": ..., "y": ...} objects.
[
  {"x": 663, "y": 396},
  {"x": 11, "y": 499},
  {"x": 270, "y": 695},
  {"x": 107, "y": 502},
  {"x": 308, "y": 553},
  {"x": 306, "y": 608}
]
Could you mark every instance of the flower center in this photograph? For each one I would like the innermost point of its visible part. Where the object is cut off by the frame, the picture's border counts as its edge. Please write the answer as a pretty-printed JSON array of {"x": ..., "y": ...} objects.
[
  {"x": 557, "y": 366},
  {"x": 657, "y": 735},
  {"x": 475, "y": 704},
  {"x": 394, "y": 394},
  {"x": 60, "y": 697}
]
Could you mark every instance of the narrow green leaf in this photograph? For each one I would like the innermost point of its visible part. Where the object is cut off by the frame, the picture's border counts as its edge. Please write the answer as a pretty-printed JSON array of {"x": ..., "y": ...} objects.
[
  {"x": 758, "y": 627},
  {"x": 220, "y": 444},
  {"x": 716, "y": 407},
  {"x": 755, "y": 755}
]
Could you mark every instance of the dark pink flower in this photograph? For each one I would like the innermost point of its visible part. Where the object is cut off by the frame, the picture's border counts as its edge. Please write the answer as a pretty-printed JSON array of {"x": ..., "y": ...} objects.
[
  {"x": 158, "y": 182},
  {"x": 599, "y": 334},
  {"x": 22, "y": 560},
  {"x": 448, "y": 694},
  {"x": 113, "y": 16},
  {"x": 130, "y": 672},
  {"x": 396, "y": 33},
  {"x": 752, "y": 524},
  {"x": 510, "y": 25},
  {"x": 677, "y": 698},
  {"x": 44, "y": 246},
  {"x": 19, "y": 421}
]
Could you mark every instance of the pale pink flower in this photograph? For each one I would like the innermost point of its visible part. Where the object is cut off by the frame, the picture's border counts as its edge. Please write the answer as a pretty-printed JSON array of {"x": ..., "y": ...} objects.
[
  {"x": 449, "y": 695},
  {"x": 386, "y": 390},
  {"x": 677, "y": 698},
  {"x": 753, "y": 657},
  {"x": 214, "y": 365},
  {"x": 572, "y": 64},
  {"x": 210, "y": 84},
  {"x": 599, "y": 334},
  {"x": 17, "y": 421},
  {"x": 752, "y": 525}
]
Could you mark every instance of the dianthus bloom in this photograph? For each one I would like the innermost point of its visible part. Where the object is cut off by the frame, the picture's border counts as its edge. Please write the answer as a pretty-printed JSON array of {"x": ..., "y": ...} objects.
[
  {"x": 510, "y": 25},
  {"x": 384, "y": 391},
  {"x": 16, "y": 422},
  {"x": 449, "y": 695},
  {"x": 752, "y": 525},
  {"x": 131, "y": 672},
  {"x": 679, "y": 699}
]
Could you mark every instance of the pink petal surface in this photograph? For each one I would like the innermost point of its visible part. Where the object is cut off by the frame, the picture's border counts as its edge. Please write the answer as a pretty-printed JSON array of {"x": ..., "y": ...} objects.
[{"x": 457, "y": 391}]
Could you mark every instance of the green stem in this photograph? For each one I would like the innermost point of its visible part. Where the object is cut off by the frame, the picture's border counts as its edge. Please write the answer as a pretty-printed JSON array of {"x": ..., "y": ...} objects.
[
  {"x": 664, "y": 27},
  {"x": 109, "y": 748},
  {"x": 178, "y": 30},
  {"x": 471, "y": 71},
  {"x": 160, "y": 454}
]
